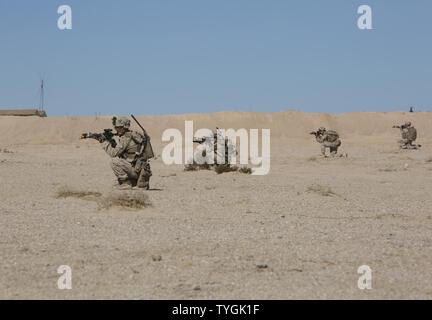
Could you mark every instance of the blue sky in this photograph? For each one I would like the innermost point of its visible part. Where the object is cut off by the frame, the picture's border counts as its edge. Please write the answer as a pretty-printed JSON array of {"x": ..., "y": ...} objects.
[{"x": 166, "y": 57}]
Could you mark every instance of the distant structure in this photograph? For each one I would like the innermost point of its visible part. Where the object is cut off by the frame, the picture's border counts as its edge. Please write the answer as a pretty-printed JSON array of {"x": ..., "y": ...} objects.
[
  {"x": 411, "y": 109},
  {"x": 28, "y": 112},
  {"x": 42, "y": 97},
  {"x": 22, "y": 112}
]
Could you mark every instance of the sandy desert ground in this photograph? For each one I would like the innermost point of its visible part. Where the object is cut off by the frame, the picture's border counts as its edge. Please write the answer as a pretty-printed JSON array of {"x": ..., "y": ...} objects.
[{"x": 227, "y": 236}]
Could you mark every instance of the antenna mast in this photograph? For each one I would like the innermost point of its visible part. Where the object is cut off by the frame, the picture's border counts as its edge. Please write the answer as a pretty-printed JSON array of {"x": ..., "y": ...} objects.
[{"x": 41, "y": 101}]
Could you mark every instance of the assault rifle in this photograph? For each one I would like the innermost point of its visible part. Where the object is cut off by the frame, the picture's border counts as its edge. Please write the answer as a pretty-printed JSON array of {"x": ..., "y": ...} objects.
[
  {"x": 200, "y": 140},
  {"x": 215, "y": 136},
  {"x": 107, "y": 135},
  {"x": 316, "y": 133}
]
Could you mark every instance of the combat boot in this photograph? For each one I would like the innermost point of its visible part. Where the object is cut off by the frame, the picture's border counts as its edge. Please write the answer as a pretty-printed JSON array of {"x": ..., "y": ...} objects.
[
  {"x": 125, "y": 184},
  {"x": 143, "y": 181},
  {"x": 144, "y": 184}
]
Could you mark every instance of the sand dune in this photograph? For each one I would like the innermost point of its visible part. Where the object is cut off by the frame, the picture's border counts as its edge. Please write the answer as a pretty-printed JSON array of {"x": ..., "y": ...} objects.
[{"x": 66, "y": 130}]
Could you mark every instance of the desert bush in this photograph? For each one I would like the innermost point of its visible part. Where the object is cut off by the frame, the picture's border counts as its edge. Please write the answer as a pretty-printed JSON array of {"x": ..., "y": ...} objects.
[
  {"x": 388, "y": 169},
  {"x": 129, "y": 200},
  {"x": 219, "y": 169},
  {"x": 190, "y": 167},
  {"x": 245, "y": 170},
  {"x": 133, "y": 199},
  {"x": 67, "y": 192},
  {"x": 321, "y": 190},
  {"x": 196, "y": 167}
]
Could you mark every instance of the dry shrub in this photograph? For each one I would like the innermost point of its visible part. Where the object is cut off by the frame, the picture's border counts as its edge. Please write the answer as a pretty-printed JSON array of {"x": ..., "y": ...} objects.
[
  {"x": 225, "y": 168},
  {"x": 428, "y": 160},
  {"x": 313, "y": 158},
  {"x": 388, "y": 169},
  {"x": 219, "y": 169},
  {"x": 245, "y": 170},
  {"x": 190, "y": 167},
  {"x": 196, "y": 167},
  {"x": 133, "y": 199},
  {"x": 129, "y": 200},
  {"x": 67, "y": 192},
  {"x": 321, "y": 190}
]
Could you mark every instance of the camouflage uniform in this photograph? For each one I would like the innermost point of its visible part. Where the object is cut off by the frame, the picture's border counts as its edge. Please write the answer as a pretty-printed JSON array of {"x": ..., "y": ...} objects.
[
  {"x": 129, "y": 163},
  {"x": 209, "y": 142},
  {"x": 409, "y": 135},
  {"x": 328, "y": 139}
]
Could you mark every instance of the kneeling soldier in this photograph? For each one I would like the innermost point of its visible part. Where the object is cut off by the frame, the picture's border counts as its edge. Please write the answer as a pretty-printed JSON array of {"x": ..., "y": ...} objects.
[
  {"x": 130, "y": 155},
  {"x": 327, "y": 139}
]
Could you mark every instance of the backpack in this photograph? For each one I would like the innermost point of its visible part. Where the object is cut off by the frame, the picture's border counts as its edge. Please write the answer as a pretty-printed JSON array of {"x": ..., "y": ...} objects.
[
  {"x": 144, "y": 141},
  {"x": 332, "y": 136},
  {"x": 412, "y": 134}
]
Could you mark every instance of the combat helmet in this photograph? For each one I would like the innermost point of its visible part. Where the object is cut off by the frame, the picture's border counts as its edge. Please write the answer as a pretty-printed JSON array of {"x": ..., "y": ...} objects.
[{"x": 121, "y": 122}]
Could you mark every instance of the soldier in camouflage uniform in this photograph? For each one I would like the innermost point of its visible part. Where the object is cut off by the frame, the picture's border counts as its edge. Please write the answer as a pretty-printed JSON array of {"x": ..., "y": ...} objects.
[
  {"x": 129, "y": 161},
  {"x": 328, "y": 139},
  {"x": 409, "y": 135},
  {"x": 211, "y": 143}
]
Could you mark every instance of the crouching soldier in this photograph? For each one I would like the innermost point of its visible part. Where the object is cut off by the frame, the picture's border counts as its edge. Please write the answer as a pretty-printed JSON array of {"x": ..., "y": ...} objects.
[
  {"x": 209, "y": 155},
  {"x": 409, "y": 136},
  {"x": 130, "y": 155},
  {"x": 328, "y": 139}
]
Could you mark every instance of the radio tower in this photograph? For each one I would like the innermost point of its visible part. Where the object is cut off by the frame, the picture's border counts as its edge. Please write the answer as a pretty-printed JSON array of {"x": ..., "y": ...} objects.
[{"x": 41, "y": 101}]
